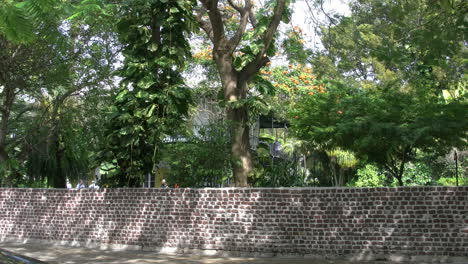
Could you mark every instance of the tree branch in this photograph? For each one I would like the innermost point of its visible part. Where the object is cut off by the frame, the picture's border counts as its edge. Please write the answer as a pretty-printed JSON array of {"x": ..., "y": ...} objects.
[
  {"x": 260, "y": 60},
  {"x": 236, "y": 6},
  {"x": 252, "y": 18},
  {"x": 404, "y": 159},
  {"x": 206, "y": 26},
  {"x": 216, "y": 23},
  {"x": 244, "y": 12}
]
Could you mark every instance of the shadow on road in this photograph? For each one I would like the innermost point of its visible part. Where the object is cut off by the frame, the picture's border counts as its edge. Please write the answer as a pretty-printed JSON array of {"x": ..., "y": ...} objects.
[{"x": 73, "y": 255}]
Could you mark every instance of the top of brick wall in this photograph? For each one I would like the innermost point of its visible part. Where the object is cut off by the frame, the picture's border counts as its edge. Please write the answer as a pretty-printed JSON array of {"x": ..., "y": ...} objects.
[{"x": 365, "y": 189}]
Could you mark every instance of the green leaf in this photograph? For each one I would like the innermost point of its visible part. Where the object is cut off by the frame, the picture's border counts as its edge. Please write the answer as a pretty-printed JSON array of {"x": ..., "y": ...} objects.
[
  {"x": 146, "y": 82},
  {"x": 142, "y": 94},
  {"x": 121, "y": 96},
  {"x": 150, "y": 110},
  {"x": 153, "y": 47}
]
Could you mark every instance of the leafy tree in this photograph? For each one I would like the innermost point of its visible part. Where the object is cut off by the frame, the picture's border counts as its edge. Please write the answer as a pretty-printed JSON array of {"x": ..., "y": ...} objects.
[
  {"x": 451, "y": 181},
  {"x": 278, "y": 168},
  {"x": 415, "y": 174},
  {"x": 202, "y": 159},
  {"x": 443, "y": 168},
  {"x": 21, "y": 64},
  {"x": 20, "y": 20},
  {"x": 291, "y": 83},
  {"x": 398, "y": 59},
  {"x": 381, "y": 126},
  {"x": 341, "y": 163},
  {"x": 56, "y": 144},
  {"x": 239, "y": 51},
  {"x": 153, "y": 98},
  {"x": 239, "y": 54},
  {"x": 417, "y": 44},
  {"x": 276, "y": 172},
  {"x": 50, "y": 77},
  {"x": 370, "y": 176}
]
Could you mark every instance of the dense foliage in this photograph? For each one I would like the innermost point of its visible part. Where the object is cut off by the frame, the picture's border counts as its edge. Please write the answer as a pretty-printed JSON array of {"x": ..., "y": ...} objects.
[
  {"x": 200, "y": 159},
  {"x": 398, "y": 86},
  {"x": 385, "y": 127},
  {"x": 153, "y": 99},
  {"x": 144, "y": 89}
]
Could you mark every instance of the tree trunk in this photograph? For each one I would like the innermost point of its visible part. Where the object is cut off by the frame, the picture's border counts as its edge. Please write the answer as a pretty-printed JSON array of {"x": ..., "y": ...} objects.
[
  {"x": 397, "y": 171},
  {"x": 240, "y": 145},
  {"x": 9, "y": 96},
  {"x": 235, "y": 89},
  {"x": 400, "y": 181},
  {"x": 404, "y": 160},
  {"x": 3, "y": 158},
  {"x": 59, "y": 180},
  {"x": 235, "y": 83}
]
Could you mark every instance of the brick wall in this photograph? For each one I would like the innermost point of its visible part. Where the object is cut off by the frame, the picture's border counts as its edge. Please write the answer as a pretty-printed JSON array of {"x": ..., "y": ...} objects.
[{"x": 428, "y": 221}]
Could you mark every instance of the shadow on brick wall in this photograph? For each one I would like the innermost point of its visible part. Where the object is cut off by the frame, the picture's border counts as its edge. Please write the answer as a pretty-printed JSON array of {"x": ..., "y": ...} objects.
[{"x": 366, "y": 223}]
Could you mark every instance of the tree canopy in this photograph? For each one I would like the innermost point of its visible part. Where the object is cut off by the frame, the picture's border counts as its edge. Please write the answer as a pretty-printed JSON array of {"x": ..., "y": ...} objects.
[{"x": 132, "y": 88}]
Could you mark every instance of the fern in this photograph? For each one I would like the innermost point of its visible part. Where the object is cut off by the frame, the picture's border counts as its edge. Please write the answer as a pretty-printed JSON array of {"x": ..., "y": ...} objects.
[
  {"x": 14, "y": 23},
  {"x": 20, "y": 20}
]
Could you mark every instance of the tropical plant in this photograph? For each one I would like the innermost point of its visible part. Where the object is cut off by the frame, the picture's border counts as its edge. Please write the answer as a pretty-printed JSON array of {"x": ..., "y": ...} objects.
[
  {"x": 392, "y": 62},
  {"x": 153, "y": 99},
  {"x": 48, "y": 125},
  {"x": 369, "y": 176},
  {"x": 381, "y": 126},
  {"x": 20, "y": 20},
  {"x": 201, "y": 158}
]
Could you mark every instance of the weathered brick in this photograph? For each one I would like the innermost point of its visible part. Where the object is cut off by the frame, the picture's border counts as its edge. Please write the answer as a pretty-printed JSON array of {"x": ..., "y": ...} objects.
[{"x": 406, "y": 220}]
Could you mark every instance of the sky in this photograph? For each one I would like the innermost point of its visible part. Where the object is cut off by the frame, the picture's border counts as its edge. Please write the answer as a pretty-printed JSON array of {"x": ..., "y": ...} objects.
[{"x": 302, "y": 17}]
